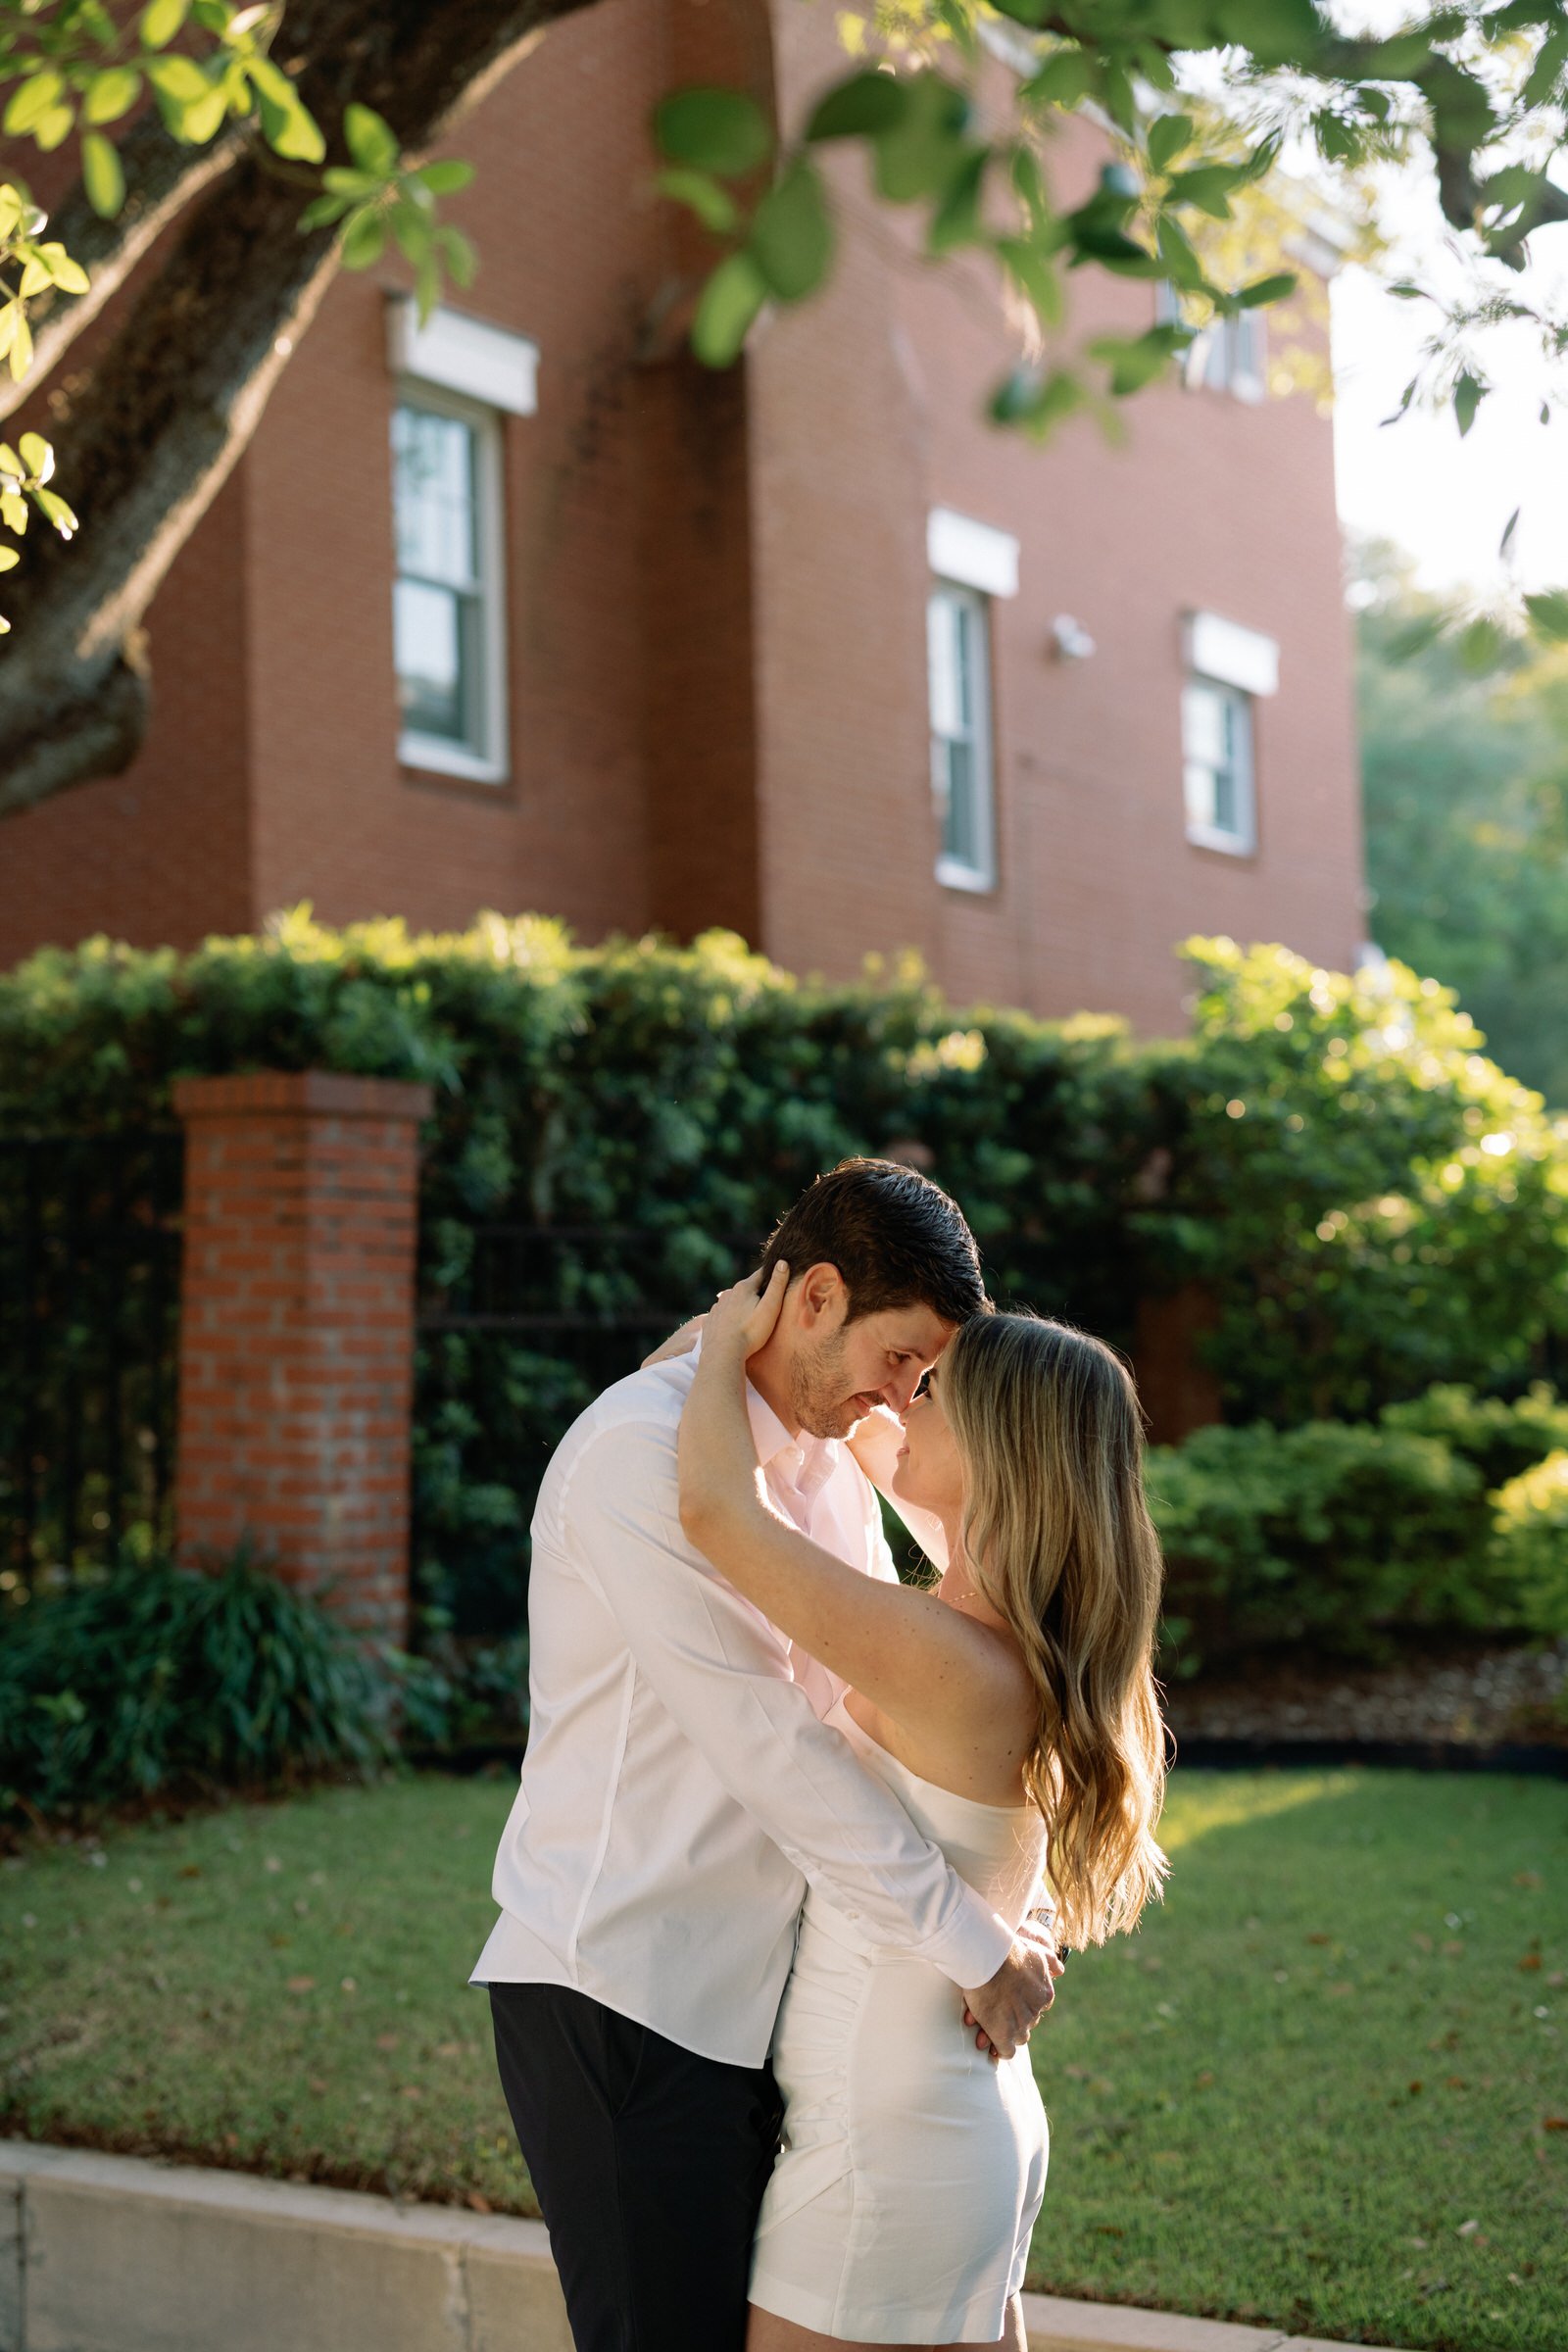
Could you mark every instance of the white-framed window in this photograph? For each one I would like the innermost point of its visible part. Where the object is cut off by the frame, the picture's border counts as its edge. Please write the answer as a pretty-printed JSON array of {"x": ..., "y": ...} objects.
[
  {"x": 1218, "y": 766},
  {"x": 448, "y": 624},
  {"x": 958, "y": 665},
  {"x": 457, "y": 378},
  {"x": 1229, "y": 354},
  {"x": 972, "y": 564}
]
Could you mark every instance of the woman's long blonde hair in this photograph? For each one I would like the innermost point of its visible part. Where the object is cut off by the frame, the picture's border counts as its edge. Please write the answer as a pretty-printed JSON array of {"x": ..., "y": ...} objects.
[{"x": 1058, "y": 1539}]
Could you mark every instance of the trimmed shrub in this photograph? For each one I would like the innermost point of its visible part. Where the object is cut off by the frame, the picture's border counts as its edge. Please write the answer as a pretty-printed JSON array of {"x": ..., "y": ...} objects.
[
  {"x": 1335, "y": 1535},
  {"x": 1530, "y": 1545},
  {"x": 148, "y": 1677},
  {"x": 1501, "y": 1437},
  {"x": 1369, "y": 1203}
]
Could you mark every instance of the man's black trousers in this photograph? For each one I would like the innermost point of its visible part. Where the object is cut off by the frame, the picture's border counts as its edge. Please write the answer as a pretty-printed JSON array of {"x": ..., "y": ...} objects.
[{"x": 649, "y": 2164}]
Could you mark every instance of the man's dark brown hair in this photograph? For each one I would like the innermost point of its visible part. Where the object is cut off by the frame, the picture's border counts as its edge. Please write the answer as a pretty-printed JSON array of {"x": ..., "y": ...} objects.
[{"x": 895, "y": 1237}]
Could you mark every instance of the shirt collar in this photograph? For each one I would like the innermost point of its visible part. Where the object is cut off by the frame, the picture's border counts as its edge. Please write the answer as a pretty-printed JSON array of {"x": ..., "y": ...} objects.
[{"x": 808, "y": 1462}]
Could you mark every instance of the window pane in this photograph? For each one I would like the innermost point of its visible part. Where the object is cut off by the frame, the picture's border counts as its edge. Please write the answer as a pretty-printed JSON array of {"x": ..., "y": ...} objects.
[
  {"x": 1198, "y": 786},
  {"x": 944, "y": 654},
  {"x": 960, "y": 832},
  {"x": 434, "y": 496},
  {"x": 434, "y": 637},
  {"x": 1204, "y": 724}
]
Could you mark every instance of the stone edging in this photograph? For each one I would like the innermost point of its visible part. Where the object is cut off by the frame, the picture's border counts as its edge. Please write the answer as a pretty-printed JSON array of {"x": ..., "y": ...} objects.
[{"x": 120, "y": 2254}]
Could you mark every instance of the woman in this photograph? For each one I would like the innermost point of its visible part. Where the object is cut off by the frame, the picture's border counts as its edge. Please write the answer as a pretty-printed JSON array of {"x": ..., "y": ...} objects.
[{"x": 1011, "y": 1706}]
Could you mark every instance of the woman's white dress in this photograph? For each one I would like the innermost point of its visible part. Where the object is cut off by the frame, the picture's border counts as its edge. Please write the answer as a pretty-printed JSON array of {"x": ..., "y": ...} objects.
[{"x": 912, "y": 2165}]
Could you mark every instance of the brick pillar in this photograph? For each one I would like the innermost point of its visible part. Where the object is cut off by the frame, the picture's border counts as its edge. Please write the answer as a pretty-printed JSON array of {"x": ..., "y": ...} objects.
[
  {"x": 1179, "y": 1391},
  {"x": 296, "y": 1351}
]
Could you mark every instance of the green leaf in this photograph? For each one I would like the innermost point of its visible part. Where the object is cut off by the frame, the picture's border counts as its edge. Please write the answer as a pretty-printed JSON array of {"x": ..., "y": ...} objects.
[
  {"x": 1136, "y": 361},
  {"x": 179, "y": 79},
  {"x": 412, "y": 231},
  {"x": 731, "y": 300},
  {"x": 160, "y": 21},
  {"x": 36, "y": 456},
  {"x": 69, "y": 276},
  {"x": 459, "y": 255},
  {"x": 1468, "y": 394},
  {"x": 1065, "y": 79},
  {"x": 792, "y": 234},
  {"x": 204, "y": 115},
  {"x": 863, "y": 107},
  {"x": 1278, "y": 32},
  {"x": 9, "y": 559},
  {"x": 1036, "y": 403},
  {"x": 713, "y": 131},
  {"x": 372, "y": 140},
  {"x": 54, "y": 507},
  {"x": 111, "y": 94},
  {"x": 1032, "y": 274},
  {"x": 445, "y": 178},
  {"x": 321, "y": 210},
  {"x": 1209, "y": 186},
  {"x": 1481, "y": 646},
  {"x": 1548, "y": 608},
  {"x": 1268, "y": 289},
  {"x": 957, "y": 219},
  {"x": 925, "y": 152},
  {"x": 51, "y": 130},
  {"x": 1168, "y": 135},
  {"x": 289, "y": 128},
  {"x": 1181, "y": 263},
  {"x": 364, "y": 238},
  {"x": 713, "y": 206},
  {"x": 31, "y": 100},
  {"x": 1509, "y": 530}
]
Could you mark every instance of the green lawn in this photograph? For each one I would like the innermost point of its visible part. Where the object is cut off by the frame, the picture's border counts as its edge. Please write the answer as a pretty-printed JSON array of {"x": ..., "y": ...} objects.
[{"x": 1317, "y": 2091}]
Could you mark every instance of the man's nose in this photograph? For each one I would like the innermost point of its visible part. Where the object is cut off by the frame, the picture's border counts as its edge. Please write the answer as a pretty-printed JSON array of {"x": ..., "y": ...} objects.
[{"x": 900, "y": 1392}]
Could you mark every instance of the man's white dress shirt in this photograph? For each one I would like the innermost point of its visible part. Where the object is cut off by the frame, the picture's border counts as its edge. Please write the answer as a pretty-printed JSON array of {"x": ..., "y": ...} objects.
[{"x": 680, "y": 1788}]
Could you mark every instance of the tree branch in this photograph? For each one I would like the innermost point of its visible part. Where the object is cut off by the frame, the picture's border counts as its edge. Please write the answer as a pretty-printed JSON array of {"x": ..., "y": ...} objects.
[
  {"x": 175, "y": 400},
  {"x": 161, "y": 176}
]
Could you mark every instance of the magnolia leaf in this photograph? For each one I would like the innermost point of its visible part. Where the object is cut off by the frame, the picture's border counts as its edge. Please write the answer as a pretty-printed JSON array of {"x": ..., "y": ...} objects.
[
  {"x": 69, "y": 276},
  {"x": 364, "y": 238},
  {"x": 865, "y": 107},
  {"x": 31, "y": 100},
  {"x": 111, "y": 94},
  {"x": 1548, "y": 608},
  {"x": 1268, "y": 289},
  {"x": 792, "y": 234},
  {"x": 459, "y": 255},
  {"x": 713, "y": 206},
  {"x": 731, "y": 300},
  {"x": 713, "y": 131},
  {"x": 101, "y": 175},
  {"x": 162, "y": 20},
  {"x": 1168, "y": 135},
  {"x": 372, "y": 140},
  {"x": 1468, "y": 394},
  {"x": 445, "y": 178},
  {"x": 1065, "y": 79}
]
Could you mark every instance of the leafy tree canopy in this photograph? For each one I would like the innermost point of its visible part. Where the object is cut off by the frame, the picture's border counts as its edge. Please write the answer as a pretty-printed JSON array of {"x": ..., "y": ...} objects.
[
  {"x": 280, "y": 145},
  {"x": 1465, "y": 771}
]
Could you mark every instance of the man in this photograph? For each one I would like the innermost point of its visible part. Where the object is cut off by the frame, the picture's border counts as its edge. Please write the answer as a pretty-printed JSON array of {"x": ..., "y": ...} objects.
[{"x": 680, "y": 1790}]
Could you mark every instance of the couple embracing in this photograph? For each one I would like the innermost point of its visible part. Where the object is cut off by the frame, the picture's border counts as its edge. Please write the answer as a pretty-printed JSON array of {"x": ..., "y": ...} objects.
[{"x": 776, "y": 1921}]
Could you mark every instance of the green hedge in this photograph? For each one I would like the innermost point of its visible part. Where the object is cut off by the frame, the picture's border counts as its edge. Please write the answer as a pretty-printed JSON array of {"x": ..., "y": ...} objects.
[
  {"x": 1342, "y": 1535},
  {"x": 1370, "y": 1205}
]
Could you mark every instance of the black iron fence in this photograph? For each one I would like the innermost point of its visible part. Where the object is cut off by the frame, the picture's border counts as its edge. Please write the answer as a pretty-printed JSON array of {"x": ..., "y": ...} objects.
[
  {"x": 519, "y": 1327},
  {"x": 90, "y": 1322}
]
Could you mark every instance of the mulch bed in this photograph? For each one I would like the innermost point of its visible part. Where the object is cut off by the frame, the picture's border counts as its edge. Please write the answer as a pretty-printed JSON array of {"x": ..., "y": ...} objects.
[{"x": 1451, "y": 1704}]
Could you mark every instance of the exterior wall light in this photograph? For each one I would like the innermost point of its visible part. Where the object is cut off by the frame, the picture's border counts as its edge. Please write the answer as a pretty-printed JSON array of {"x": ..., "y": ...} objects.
[{"x": 1070, "y": 641}]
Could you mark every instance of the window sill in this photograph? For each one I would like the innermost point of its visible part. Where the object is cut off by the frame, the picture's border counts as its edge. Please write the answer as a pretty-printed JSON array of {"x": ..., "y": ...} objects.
[
  {"x": 435, "y": 757},
  {"x": 954, "y": 876},
  {"x": 1229, "y": 845}
]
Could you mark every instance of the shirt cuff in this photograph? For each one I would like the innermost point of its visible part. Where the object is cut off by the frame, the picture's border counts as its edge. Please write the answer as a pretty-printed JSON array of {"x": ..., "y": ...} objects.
[{"x": 972, "y": 1949}]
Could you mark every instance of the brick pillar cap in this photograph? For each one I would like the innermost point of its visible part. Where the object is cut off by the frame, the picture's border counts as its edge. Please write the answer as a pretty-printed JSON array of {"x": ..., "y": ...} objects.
[{"x": 335, "y": 1094}]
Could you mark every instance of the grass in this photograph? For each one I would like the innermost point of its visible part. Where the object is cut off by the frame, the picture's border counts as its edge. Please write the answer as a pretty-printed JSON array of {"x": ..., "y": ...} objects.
[{"x": 1323, "y": 2088}]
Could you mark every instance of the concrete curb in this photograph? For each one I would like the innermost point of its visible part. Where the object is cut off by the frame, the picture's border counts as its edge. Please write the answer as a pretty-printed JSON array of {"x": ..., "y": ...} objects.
[{"x": 120, "y": 2254}]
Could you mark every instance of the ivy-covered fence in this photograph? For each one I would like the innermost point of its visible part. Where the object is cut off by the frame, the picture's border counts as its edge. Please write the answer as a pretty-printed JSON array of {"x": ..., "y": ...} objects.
[{"x": 1362, "y": 1203}]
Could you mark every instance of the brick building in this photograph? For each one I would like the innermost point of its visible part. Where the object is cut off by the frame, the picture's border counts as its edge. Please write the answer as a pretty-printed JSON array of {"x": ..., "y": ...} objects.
[{"x": 524, "y": 610}]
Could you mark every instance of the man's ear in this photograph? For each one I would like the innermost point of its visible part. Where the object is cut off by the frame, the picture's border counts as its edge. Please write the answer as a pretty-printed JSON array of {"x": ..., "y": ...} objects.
[{"x": 822, "y": 1298}]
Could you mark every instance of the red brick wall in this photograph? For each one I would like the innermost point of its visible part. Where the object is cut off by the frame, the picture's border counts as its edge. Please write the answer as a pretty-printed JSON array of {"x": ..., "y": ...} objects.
[
  {"x": 297, "y": 1330},
  {"x": 716, "y": 590},
  {"x": 869, "y": 410}
]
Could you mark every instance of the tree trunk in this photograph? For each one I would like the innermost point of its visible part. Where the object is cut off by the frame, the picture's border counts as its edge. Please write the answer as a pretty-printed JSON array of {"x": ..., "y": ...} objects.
[{"x": 177, "y": 395}]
